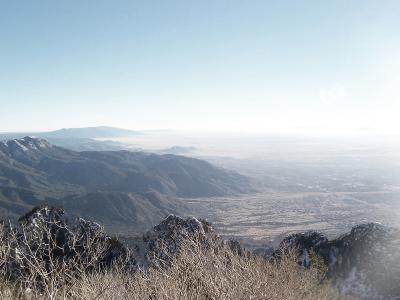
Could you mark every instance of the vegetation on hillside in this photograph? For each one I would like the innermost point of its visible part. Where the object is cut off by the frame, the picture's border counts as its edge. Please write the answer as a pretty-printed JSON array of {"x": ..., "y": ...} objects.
[
  {"x": 45, "y": 258},
  {"x": 195, "y": 273}
]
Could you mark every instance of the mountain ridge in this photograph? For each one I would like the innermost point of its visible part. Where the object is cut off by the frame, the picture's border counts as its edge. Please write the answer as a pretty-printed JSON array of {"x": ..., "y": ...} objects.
[
  {"x": 78, "y": 132},
  {"x": 80, "y": 139},
  {"x": 33, "y": 171},
  {"x": 91, "y": 132}
]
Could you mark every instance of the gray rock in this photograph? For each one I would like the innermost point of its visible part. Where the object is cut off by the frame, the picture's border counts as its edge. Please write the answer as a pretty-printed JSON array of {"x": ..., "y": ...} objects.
[{"x": 364, "y": 262}]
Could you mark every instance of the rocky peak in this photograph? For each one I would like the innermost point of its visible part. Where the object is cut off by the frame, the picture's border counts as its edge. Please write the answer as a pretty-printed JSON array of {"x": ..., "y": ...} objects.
[
  {"x": 364, "y": 262},
  {"x": 174, "y": 225},
  {"x": 41, "y": 217},
  {"x": 24, "y": 149},
  {"x": 27, "y": 143},
  {"x": 45, "y": 233},
  {"x": 35, "y": 142},
  {"x": 166, "y": 238},
  {"x": 304, "y": 240}
]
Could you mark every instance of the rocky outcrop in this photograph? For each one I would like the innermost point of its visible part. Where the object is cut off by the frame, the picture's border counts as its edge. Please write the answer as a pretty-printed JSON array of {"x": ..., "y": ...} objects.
[
  {"x": 364, "y": 262},
  {"x": 45, "y": 229},
  {"x": 165, "y": 240},
  {"x": 44, "y": 242}
]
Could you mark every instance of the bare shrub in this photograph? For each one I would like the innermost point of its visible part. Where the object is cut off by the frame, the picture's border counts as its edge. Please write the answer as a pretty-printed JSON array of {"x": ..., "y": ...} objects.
[
  {"x": 46, "y": 257},
  {"x": 50, "y": 260},
  {"x": 203, "y": 273}
]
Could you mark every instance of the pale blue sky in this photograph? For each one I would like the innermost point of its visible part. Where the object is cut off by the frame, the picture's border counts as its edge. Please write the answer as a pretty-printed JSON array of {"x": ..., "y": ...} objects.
[{"x": 200, "y": 65}]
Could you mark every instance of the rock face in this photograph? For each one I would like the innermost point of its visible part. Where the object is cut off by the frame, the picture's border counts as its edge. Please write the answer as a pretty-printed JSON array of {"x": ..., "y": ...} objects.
[
  {"x": 25, "y": 144},
  {"x": 165, "y": 239},
  {"x": 45, "y": 241},
  {"x": 364, "y": 262},
  {"x": 45, "y": 235}
]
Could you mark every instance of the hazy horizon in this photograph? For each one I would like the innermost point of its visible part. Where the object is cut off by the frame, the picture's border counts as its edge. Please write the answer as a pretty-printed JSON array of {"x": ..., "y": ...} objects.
[
  {"x": 305, "y": 132},
  {"x": 256, "y": 66}
]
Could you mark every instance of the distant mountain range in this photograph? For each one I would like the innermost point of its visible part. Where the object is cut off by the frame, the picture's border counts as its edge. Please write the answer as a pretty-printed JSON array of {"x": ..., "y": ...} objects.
[
  {"x": 90, "y": 132},
  {"x": 131, "y": 185},
  {"x": 95, "y": 139},
  {"x": 75, "y": 133},
  {"x": 80, "y": 139}
]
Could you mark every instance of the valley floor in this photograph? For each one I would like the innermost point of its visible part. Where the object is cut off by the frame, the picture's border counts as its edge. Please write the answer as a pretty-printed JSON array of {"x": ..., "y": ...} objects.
[{"x": 264, "y": 218}]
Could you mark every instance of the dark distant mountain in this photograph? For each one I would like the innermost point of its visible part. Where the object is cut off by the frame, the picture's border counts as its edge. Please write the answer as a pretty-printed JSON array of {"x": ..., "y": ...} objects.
[
  {"x": 84, "y": 144},
  {"x": 32, "y": 171},
  {"x": 74, "y": 133},
  {"x": 14, "y": 201},
  {"x": 18, "y": 159},
  {"x": 31, "y": 161},
  {"x": 125, "y": 213},
  {"x": 89, "y": 133}
]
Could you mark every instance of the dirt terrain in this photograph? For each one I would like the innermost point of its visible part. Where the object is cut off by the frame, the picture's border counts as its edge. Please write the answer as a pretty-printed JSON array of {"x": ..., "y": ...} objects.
[{"x": 264, "y": 218}]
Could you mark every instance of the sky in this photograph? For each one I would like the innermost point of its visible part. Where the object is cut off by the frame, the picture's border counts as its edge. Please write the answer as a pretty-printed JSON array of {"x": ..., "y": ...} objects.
[{"x": 249, "y": 66}]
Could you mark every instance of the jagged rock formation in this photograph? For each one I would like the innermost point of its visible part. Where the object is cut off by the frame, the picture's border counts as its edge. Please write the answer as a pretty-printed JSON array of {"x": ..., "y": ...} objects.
[
  {"x": 364, "y": 262},
  {"x": 28, "y": 143},
  {"x": 44, "y": 242},
  {"x": 45, "y": 235},
  {"x": 165, "y": 240}
]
